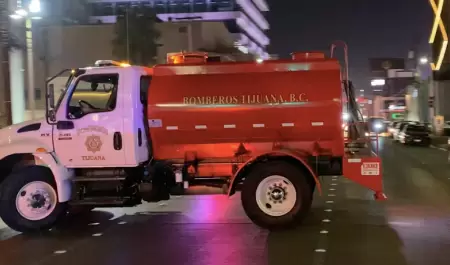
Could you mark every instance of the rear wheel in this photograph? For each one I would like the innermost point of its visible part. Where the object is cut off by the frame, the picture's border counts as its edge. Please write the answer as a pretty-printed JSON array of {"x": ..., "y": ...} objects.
[
  {"x": 29, "y": 201},
  {"x": 276, "y": 195}
]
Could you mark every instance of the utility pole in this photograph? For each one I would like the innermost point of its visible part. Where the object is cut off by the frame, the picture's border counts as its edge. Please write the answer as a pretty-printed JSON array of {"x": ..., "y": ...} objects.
[{"x": 4, "y": 66}]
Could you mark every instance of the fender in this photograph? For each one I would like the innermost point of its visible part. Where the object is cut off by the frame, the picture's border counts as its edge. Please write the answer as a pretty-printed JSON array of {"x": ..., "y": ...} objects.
[
  {"x": 62, "y": 175},
  {"x": 290, "y": 153}
]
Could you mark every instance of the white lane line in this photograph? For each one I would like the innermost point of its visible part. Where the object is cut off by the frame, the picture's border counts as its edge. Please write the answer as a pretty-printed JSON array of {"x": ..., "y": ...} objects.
[
  {"x": 326, "y": 220},
  {"x": 331, "y": 195},
  {"x": 122, "y": 223},
  {"x": 331, "y": 189},
  {"x": 97, "y": 234},
  {"x": 93, "y": 224},
  {"x": 329, "y": 202},
  {"x": 328, "y": 210},
  {"x": 442, "y": 149},
  {"x": 60, "y": 251},
  {"x": 324, "y": 232},
  {"x": 321, "y": 250}
]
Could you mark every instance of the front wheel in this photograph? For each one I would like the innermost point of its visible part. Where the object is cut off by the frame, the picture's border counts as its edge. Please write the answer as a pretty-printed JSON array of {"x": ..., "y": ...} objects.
[
  {"x": 276, "y": 195},
  {"x": 29, "y": 201}
]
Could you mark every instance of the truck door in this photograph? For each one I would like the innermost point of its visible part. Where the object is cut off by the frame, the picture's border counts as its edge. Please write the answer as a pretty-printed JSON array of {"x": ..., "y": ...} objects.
[{"x": 89, "y": 127}]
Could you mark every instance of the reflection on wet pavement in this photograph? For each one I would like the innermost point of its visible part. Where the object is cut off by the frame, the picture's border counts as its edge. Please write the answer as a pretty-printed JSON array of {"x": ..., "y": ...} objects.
[{"x": 344, "y": 227}]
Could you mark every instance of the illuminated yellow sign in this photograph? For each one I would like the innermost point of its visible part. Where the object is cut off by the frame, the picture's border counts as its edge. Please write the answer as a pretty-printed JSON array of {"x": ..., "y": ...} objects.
[
  {"x": 245, "y": 99},
  {"x": 437, "y": 9}
]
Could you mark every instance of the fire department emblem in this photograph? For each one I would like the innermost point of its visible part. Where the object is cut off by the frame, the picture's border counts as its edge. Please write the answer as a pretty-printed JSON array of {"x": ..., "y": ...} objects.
[{"x": 93, "y": 143}]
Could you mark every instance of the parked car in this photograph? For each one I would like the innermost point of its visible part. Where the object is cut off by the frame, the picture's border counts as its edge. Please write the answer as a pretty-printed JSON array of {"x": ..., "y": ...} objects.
[
  {"x": 391, "y": 128},
  {"x": 399, "y": 128},
  {"x": 415, "y": 134}
]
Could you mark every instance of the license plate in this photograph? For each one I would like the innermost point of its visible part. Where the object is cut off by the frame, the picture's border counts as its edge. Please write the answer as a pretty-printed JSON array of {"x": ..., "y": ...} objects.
[{"x": 417, "y": 140}]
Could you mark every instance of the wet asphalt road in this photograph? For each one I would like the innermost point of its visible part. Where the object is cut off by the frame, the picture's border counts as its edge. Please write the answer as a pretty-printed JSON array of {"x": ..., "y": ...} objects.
[{"x": 345, "y": 227}]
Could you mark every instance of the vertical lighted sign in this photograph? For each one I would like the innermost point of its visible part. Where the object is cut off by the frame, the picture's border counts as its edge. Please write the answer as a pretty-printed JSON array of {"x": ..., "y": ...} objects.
[{"x": 438, "y": 24}]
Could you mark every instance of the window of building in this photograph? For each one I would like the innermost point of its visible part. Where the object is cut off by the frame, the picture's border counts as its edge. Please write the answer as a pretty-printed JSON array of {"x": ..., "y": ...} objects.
[
  {"x": 160, "y": 6},
  {"x": 180, "y": 6},
  {"x": 222, "y": 5},
  {"x": 102, "y": 9},
  {"x": 93, "y": 94},
  {"x": 200, "y": 6}
]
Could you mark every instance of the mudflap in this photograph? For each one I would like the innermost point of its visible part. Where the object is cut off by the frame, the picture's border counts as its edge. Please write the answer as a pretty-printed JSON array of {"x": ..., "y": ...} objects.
[{"x": 366, "y": 171}]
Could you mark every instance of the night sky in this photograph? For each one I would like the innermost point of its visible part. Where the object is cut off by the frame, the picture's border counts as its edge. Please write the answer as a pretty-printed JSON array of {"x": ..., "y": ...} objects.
[{"x": 371, "y": 28}]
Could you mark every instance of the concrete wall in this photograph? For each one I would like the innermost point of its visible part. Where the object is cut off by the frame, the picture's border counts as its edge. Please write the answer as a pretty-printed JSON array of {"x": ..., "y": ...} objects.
[{"x": 441, "y": 91}]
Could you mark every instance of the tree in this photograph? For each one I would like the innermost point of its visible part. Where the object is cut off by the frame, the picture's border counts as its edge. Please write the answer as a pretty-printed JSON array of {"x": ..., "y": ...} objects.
[{"x": 136, "y": 36}]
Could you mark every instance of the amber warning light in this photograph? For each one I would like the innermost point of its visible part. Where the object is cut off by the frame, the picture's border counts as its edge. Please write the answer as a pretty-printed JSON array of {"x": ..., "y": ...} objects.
[{"x": 187, "y": 57}]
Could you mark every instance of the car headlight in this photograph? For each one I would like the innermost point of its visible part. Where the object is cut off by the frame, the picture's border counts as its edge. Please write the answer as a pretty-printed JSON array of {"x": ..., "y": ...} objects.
[{"x": 378, "y": 125}]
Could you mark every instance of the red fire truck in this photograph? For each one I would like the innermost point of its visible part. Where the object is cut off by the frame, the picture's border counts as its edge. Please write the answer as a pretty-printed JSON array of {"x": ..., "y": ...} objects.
[{"x": 119, "y": 135}]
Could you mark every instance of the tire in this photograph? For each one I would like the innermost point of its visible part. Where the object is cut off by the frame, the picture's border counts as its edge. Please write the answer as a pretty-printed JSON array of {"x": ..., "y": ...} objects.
[
  {"x": 263, "y": 174},
  {"x": 18, "y": 217}
]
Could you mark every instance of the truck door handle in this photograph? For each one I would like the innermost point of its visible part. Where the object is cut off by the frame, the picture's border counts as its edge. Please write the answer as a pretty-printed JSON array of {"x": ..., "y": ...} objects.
[
  {"x": 117, "y": 141},
  {"x": 65, "y": 125}
]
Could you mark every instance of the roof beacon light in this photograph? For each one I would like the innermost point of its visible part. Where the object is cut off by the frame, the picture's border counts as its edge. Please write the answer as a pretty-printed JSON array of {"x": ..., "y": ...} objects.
[{"x": 100, "y": 63}]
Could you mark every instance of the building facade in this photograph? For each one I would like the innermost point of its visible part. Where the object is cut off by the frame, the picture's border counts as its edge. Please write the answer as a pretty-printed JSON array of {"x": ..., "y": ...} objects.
[
  {"x": 243, "y": 18},
  {"x": 390, "y": 77}
]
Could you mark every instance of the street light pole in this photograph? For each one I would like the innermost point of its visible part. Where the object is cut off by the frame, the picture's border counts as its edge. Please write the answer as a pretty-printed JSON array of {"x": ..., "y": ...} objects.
[{"x": 30, "y": 68}]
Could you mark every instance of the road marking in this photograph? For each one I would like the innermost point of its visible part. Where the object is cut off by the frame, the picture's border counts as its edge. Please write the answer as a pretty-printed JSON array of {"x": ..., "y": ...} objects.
[
  {"x": 98, "y": 234},
  {"x": 442, "y": 149},
  {"x": 122, "y": 223},
  {"x": 331, "y": 189},
  {"x": 328, "y": 210},
  {"x": 333, "y": 184},
  {"x": 326, "y": 220},
  {"x": 92, "y": 224},
  {"x": 329, "y": 202},
  {"x": 59, "y": 252},
  {"x": 331, "y": 195},
  {"x": 324, "y": 232}
]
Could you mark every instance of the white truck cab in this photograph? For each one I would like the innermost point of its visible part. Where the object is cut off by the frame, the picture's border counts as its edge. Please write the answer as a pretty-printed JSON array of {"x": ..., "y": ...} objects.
[{"x": 94, "y": 132}]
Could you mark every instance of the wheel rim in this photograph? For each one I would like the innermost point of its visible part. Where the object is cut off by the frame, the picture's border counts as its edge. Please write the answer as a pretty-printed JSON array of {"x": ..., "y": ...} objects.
[
  {"x": 36, "y": 200},
  {"x": 276, "y": 196}
]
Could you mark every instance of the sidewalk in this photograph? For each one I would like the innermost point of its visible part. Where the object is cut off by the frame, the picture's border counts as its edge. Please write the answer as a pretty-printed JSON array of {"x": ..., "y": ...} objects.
[{"x": 440, "y": 141}]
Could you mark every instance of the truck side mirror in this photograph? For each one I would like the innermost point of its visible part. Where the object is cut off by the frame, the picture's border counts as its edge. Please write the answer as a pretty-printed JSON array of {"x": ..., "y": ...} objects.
[{"x": 51, "y": 96}]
